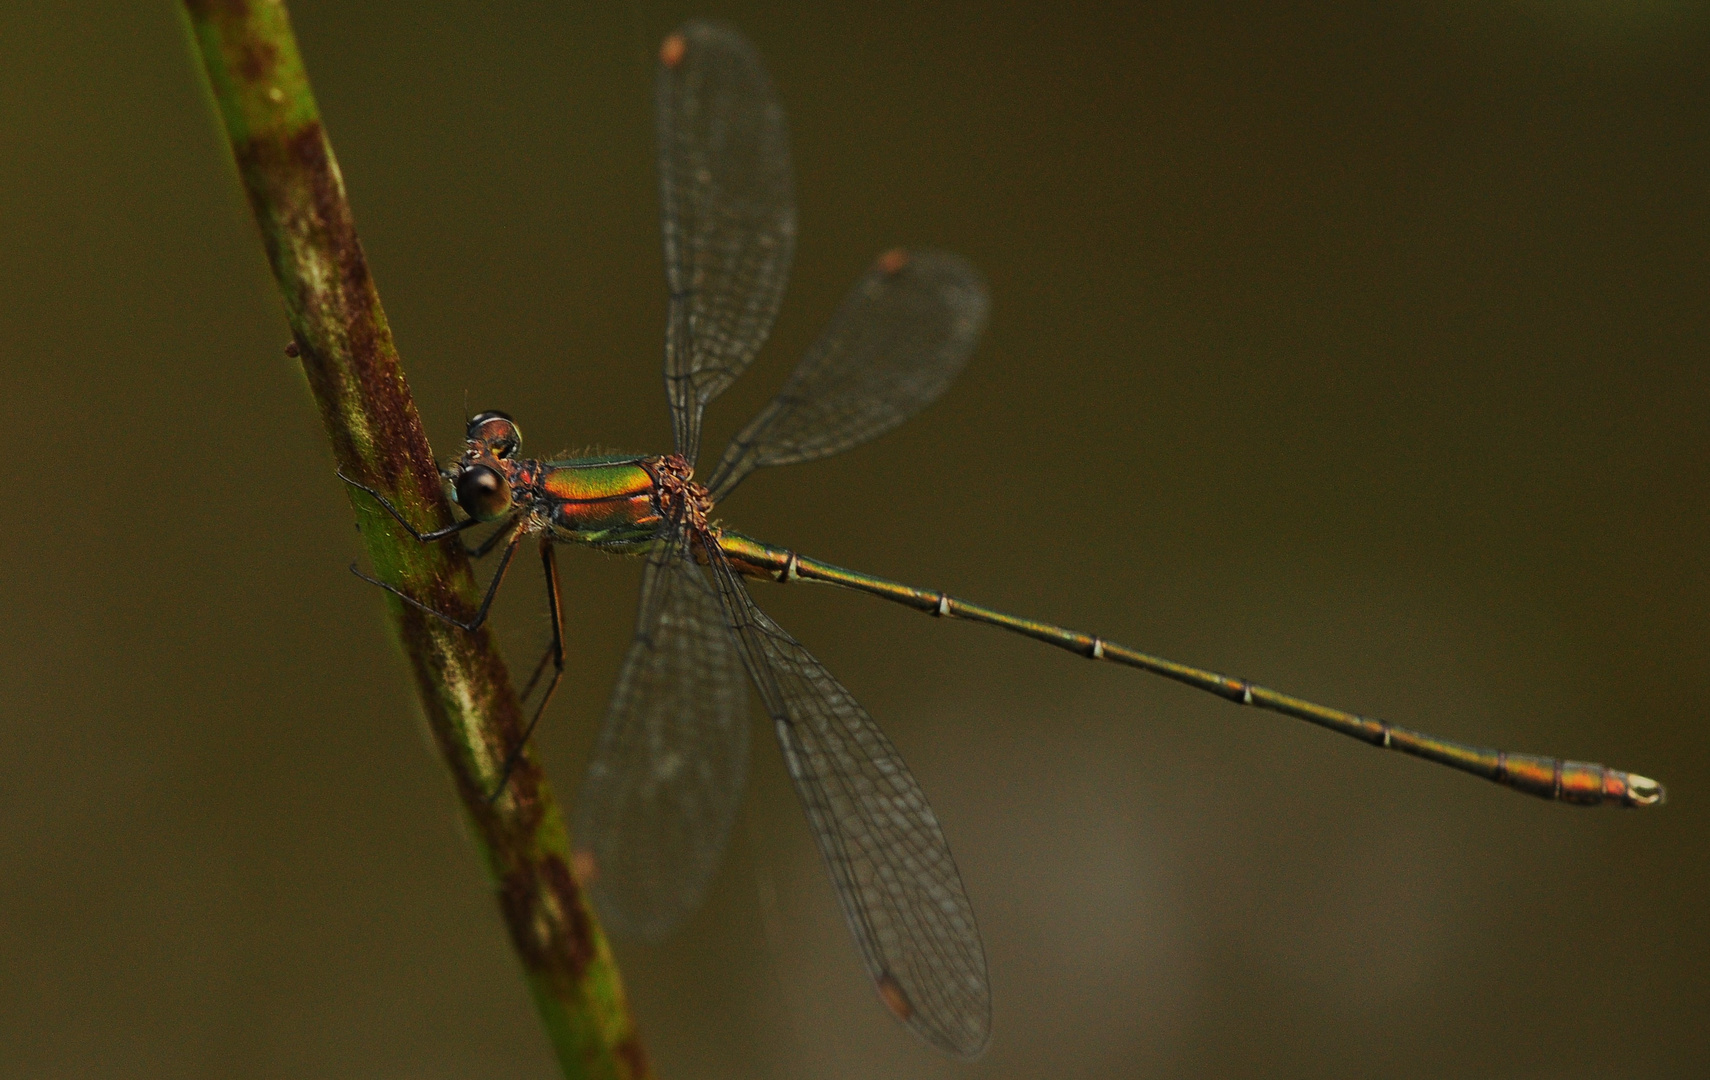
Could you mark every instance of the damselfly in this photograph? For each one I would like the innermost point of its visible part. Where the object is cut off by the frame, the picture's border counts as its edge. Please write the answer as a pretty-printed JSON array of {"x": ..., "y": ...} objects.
[{"x": 669, "y": 769}]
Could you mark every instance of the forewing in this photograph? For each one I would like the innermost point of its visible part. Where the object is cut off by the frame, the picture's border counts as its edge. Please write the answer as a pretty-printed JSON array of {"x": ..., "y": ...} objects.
[
  {"x": 901, "y": 893},
  {"x": 668, "y": 773},
  {"x": 896, "y": 342},
  {"x": 727, "y": 210}
]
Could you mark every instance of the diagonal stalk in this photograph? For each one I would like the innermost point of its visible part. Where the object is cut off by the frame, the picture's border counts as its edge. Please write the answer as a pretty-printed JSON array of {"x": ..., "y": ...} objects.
[{"x": 286, "y": 165}]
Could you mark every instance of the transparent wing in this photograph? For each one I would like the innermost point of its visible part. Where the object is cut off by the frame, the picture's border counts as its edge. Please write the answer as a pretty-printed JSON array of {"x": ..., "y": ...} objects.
[
  {"x": 897, "y": 341},
  {"x": 901, "y": 893},
  {"x": 655, "y": 811},
  {"x": 727, "y": 213}
]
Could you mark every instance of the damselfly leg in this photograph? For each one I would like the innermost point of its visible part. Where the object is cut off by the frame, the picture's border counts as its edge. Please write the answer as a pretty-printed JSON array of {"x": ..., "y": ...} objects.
[
  {"x": 554, "y": 653},
  {"x": 513, "y": 530},
  {"x": 424, "y": 537}
]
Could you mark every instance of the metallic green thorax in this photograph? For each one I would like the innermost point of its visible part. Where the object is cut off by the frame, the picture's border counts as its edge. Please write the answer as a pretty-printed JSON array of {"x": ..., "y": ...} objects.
[{"x": 606, "y": 502}]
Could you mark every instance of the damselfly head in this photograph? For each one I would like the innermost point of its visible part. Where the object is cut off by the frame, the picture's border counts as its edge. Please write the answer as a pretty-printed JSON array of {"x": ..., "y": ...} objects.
[
  {"x": 492, "y": 433},
  {"x": 480, "y": 480},
  {"x": 483, "y": 492}
]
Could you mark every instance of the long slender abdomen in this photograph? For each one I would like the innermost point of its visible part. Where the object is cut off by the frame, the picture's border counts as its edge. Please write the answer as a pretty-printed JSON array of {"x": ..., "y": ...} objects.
[{"x": 1579, "y": 782}]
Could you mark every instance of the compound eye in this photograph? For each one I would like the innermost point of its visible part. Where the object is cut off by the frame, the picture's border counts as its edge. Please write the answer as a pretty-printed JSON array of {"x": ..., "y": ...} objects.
[
  {"x": 496, "y": 431},
  {"x": 483, "y": 493}
]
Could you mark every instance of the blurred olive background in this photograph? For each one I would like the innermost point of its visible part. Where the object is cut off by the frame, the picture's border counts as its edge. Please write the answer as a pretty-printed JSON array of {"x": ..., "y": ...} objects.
[{"x": 1359, "y": 352}]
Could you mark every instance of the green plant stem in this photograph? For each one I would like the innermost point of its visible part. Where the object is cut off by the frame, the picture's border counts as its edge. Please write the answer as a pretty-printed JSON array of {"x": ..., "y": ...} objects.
[{"x": 286, "y": 164}]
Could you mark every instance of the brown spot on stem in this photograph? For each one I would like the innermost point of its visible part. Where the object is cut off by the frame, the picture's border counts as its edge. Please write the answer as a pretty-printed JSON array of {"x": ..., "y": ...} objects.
[
  {"x": 255, "y": 63},
  {"x": 295, "y": 191},
  {"x": 204, "y": 9},
  {"x": 516, "y": 900},
  {"x": 891, "y": 993},
  {"x": 634, "y": 1058},
  {"x": 578, "y": 951},
  {"x": 582, "y": 864},
  {"x": 893, "y": 261},
  {"x": 548, "y": 920},
  {"x": 292, "y": 350},
  {"x": 671, "y": 52}
]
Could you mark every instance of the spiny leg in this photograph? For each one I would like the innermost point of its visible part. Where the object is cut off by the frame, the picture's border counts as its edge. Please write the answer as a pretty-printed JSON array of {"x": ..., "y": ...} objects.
[
  {"x": 517, "y": 533},
  {"x": 480, "y": 551},
  {"x": 554, "y": 652},
  {"x": 397, "y": 515},
  {"x": 539, "y": 670},
  {"x": 555, "y": 649}
]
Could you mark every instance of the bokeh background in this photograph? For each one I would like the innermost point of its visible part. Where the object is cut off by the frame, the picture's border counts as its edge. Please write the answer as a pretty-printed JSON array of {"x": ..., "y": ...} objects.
[{"x": 1356, "y": 350}]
